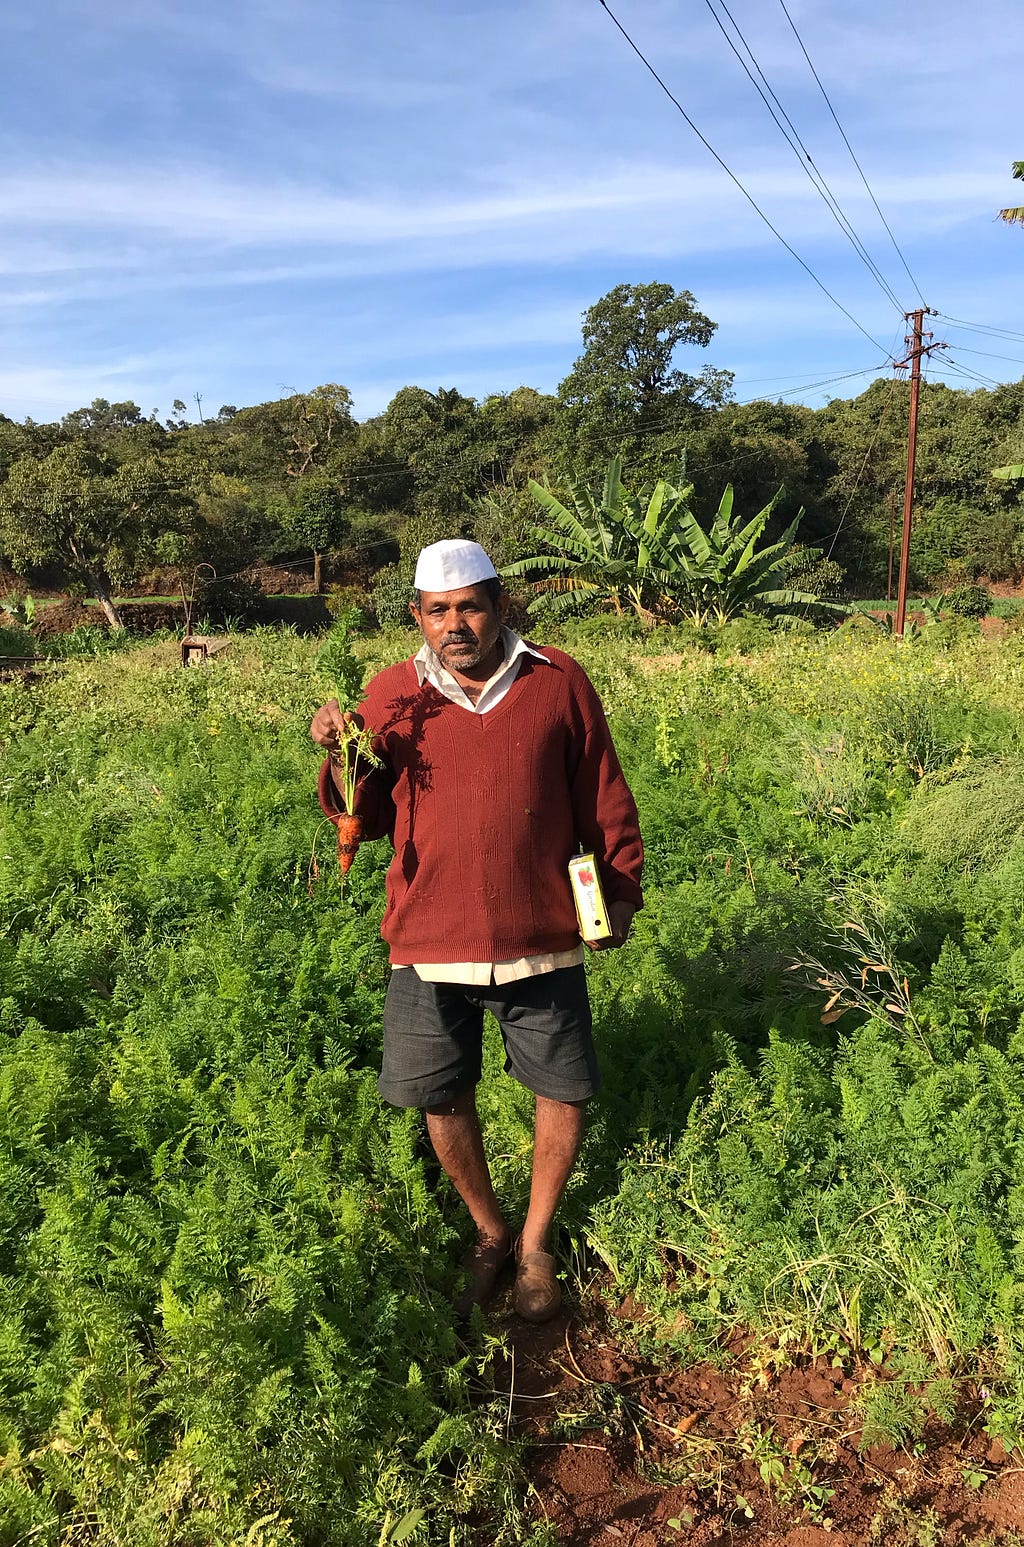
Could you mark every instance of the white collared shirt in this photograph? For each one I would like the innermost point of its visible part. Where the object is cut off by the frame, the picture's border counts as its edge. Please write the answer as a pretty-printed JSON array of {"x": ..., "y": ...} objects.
[{"x": 429, "y": 669}]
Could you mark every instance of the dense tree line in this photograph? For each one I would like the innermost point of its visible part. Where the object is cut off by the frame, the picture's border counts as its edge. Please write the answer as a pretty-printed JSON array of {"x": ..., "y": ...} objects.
[{"x": 110, "y": 496}]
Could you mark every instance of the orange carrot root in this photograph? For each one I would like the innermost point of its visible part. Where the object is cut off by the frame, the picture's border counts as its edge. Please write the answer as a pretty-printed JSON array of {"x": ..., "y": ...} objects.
[{"x": 350, "y": 836}]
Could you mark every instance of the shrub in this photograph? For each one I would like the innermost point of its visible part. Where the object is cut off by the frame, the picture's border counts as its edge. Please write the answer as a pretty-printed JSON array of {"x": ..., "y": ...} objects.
[
  {"x": 391, "y": 594},
  {"x": 232, "y": 599},
  {"x": 912, "y": 724},
  {"x": 598, "y": 626},
  {"x": 341, "y": 599},
  {"x": 807, "y": 569},
  {"x": 88, "y": 642},
  {"x": 745, "y": 634},
  {"x": 16, "y": 641},
  {"x": 972, "y": 820},
  {"x": 968, "y": 601}
]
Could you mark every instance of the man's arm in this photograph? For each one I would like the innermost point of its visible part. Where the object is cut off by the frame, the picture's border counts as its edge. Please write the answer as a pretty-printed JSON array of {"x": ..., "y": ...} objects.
[{"x": 605, "y": 812}]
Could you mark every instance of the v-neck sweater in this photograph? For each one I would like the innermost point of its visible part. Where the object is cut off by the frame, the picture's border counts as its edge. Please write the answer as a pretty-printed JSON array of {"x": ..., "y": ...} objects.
[{"x": 485, "y": 812}]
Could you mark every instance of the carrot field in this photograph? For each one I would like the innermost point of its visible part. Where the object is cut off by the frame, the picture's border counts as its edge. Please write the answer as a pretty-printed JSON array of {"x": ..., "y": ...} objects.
[{"x": 225, "y": 1268}]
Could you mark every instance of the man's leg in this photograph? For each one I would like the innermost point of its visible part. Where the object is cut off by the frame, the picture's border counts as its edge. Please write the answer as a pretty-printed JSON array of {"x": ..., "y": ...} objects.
[
  {"x": 454, "y": 1130},
  {"x": 557, "y": 1134}
]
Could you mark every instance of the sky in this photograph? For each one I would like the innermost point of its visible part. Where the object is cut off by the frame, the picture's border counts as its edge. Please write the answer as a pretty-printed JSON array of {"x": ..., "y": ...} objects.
[{"x": 241, "y": 201}]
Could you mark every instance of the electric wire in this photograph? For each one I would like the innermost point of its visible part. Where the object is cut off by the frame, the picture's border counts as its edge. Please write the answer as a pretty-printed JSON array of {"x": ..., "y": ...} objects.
[
  {"x": 860, "y": 474},
  {"x": 752, "y": 381},
  {"x": 988, "y": 355},
  {"x": 792, "y": 137},
  {"x": 666, "y": 425},
  {"x": 987, "y": 328},
  {"x": 732, "y": 175},
  {"x": 813, "y": 385},
  {"x": 846, "y": 142},
  {"x": 965, "y": 370}
]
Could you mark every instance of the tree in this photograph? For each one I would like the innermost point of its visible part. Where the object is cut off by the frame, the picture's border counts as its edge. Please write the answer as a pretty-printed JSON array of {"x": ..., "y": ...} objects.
[
  {"x": 101, "y": 520},
  {"x": 1015, "y": 217},
  {"x": 319, "y": 519},
  {"x": 318, "y": 423},
  {"x": 517, "y": 429},
  {"x": 279, "y": 442},
  {"x": 758, "y": 447},
  {"x": 438, "y": 446},
  {"x": 275, "y": 447},
  {"x": 101, "y": 420},
  {"x": 624, "y": 385}
]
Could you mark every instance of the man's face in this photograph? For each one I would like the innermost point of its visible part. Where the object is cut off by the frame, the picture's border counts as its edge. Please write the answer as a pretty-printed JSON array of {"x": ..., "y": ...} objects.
[{"x": 461, "y": 627}]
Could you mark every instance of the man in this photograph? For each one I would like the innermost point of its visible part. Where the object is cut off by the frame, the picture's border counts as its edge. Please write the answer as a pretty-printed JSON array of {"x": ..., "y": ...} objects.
[{"x": 498, "y": 766}]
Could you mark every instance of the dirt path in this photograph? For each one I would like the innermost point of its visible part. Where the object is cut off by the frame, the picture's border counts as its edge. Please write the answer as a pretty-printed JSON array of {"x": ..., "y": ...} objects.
[{"x": 623, "y": 1451}]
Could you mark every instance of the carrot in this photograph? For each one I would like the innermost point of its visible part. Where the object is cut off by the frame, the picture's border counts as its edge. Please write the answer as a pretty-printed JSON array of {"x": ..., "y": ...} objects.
[{"x": 350, "y": 836}]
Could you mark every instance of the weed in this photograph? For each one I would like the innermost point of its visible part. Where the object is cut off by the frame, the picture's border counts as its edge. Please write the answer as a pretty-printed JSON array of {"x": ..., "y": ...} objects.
[{"x": 899, "y": 1524}]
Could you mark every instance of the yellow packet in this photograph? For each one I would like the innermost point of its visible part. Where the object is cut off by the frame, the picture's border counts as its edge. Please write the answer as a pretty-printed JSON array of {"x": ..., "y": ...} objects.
[{"x": 588, "y": 896}]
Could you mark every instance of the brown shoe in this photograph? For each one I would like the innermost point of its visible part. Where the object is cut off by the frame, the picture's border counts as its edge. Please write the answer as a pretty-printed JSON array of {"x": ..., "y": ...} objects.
[
  {"x": 481, "y": 1268},
  {"x": 537, "y": 1295}
]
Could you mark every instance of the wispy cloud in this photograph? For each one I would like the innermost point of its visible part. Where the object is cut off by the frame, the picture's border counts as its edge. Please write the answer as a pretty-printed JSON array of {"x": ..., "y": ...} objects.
[{"x": 631, "y": 208}]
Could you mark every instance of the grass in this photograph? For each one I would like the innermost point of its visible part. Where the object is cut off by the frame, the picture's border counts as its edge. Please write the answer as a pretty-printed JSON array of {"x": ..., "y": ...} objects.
[
  {"x": 224, "y": 1317},
  {"x": 1002, "y": 606}
]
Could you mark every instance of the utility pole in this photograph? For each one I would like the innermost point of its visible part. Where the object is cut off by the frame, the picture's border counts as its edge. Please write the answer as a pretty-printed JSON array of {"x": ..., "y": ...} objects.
[{"x": 916, "y": 348}]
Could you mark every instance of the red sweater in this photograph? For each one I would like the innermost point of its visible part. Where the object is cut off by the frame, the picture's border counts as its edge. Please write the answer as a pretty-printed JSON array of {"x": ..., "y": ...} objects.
[{"x": 485, "y": 812}]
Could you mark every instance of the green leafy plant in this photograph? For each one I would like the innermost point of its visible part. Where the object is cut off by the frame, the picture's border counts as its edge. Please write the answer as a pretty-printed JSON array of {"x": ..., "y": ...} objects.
[
  {"x": 337, "y": 661},
  {"x": 355, "y": 746},
  {"x": 22, "y": 608},
  {"x": 621, "y": 549},
  {"x": 727, "y": 573},
  {"x": 647, "y": 552},
  {"x": 224, "y": 1310},
  {"x": 967, "y": 601}
]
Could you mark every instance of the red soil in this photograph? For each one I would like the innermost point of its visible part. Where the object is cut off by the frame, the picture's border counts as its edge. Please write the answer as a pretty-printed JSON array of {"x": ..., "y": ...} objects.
[{"x": 617, "y": 1447}]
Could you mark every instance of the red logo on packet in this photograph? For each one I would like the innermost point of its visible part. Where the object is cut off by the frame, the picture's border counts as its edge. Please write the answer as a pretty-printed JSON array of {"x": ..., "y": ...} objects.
[{"x": 586, "y": 877}]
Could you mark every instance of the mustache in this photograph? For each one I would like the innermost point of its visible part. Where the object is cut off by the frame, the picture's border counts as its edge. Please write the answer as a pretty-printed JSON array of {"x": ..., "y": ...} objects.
[{"x": 457, "y": 639}]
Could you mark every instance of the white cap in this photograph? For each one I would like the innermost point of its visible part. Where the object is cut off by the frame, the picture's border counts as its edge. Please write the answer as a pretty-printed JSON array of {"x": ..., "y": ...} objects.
[{"x": 452, "y": 564}]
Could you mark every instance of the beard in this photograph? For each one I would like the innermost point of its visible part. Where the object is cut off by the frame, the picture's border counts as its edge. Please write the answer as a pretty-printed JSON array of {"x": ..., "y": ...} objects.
[{"x": 461, "y": 652}]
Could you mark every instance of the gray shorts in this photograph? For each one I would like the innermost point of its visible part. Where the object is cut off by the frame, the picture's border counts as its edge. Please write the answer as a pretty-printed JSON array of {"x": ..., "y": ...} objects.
[{"x": 433, "y": 1037}]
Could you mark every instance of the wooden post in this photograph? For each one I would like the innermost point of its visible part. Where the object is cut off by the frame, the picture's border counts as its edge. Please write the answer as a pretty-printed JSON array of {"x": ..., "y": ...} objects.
[{"x": 916, "y": 350}]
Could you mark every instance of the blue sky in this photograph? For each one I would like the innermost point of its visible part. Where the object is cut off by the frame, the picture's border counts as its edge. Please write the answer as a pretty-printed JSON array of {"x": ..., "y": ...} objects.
[{"x": 243, "y": 200}]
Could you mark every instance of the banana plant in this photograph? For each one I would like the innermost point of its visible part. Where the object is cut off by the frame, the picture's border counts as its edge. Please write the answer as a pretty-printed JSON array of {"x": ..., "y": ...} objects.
[
  {"x": 728, "y": 574},
  {"x": 648, "y": 553},
  {"x": 622, "y": 549}
]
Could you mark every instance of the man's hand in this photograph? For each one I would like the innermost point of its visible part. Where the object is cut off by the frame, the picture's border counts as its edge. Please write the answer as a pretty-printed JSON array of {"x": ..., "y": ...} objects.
[
  {"x": 620, "y": 917},
  {"x": 329, "y": 724}
]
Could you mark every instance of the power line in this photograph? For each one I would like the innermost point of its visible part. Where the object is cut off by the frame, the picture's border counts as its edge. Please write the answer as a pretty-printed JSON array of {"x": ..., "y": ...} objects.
[
  {"x": 811, "y": 385},
  {"x": 846, "y": 142},
  {"x": 871, "y": 446},
  {"x": 793, "y": 140},
  {"x": 964, "y": 370},
  {"x": 732, "y": 175},
  {"x": 665, "y": 426},
  {"x": 987, "y": 328},
  {"x": 988, "y": 355},
  {"x": 751, "y": 381}
]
